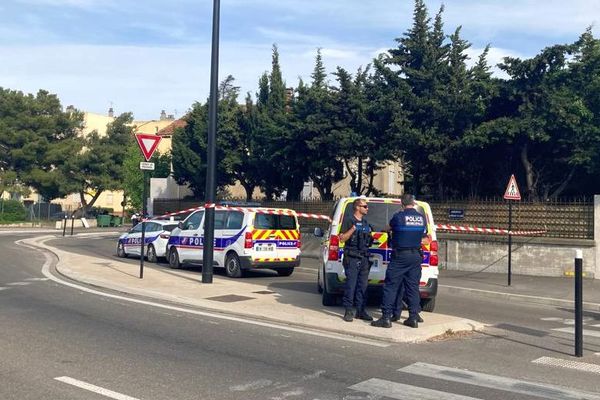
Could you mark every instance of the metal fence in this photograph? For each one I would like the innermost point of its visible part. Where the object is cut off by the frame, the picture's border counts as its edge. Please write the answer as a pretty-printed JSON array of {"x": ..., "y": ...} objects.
[{"x": 561, "y": 219}]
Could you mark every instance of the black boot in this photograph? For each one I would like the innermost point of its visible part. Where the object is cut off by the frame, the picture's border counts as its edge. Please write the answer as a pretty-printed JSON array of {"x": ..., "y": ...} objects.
[
  {"x": 411, "y": 322},
  {"x": 349, "y": 315},
  {"x": 364, "y": 315},
  {"x": 396, "y": 318},
  {"x": 383, "y": 322}
]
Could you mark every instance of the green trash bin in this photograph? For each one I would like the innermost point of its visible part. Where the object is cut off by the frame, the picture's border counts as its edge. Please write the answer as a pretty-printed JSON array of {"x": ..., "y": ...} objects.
[
  {"x": 103, "y": 220},
  {"x": 116, "y": 220}
]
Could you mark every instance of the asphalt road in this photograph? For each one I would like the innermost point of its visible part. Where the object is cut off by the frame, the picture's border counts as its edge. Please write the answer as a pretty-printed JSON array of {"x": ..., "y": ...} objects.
[{"x": 51, "y": 331}]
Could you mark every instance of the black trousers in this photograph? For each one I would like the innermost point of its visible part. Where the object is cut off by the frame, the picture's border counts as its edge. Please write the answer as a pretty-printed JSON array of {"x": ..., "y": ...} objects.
[
  {"x": 357, "y": 280},
  {"x": 403, "y": 271}
]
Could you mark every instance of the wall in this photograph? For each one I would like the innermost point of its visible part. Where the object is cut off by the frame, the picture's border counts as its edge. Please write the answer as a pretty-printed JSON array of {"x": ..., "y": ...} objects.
[{"x": 530, "y": 255}]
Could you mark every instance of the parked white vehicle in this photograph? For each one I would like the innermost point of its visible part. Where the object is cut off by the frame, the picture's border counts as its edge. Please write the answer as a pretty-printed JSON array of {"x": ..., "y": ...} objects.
[
  {"x": 331, "y": 276},
  {"x": 156, "y": 237},
  {"x": 245, "y": 238}
]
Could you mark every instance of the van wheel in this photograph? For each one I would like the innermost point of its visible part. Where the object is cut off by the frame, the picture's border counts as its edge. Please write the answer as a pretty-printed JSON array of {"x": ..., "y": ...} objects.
[
  {"x": 329, "y": 299},
  {"x": 151, "y": 254},
  {"x": 428, "y": 304},
  {"x": 174, "y": 259},
  {"x": 121, "y": 250},
  {"x": 284, "y": 271},
  {"x": 233, "y": 267}
]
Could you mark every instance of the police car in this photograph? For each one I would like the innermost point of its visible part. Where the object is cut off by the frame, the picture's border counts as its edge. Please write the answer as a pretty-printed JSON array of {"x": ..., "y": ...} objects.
[
  {"x": 156, "y": 237},
  {"x": 331, "y": 277},
  {"x": 245, "y": 238}
]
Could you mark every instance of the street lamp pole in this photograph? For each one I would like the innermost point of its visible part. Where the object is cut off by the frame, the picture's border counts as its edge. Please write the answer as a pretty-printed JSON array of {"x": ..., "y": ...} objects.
[{"x": 209, "y": 214}]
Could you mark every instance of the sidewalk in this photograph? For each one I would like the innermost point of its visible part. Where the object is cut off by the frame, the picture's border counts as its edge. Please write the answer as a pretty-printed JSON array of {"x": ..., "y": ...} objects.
[
  {"x": 555, "y": 291},
  {"x": 277, "y": 303}
]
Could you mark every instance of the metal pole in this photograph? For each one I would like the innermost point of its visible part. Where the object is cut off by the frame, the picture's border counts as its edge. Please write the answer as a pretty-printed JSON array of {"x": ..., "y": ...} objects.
[
  {"x": 578, "y": 303},
  {"x": 509, "y": 241},
  {"x": 143, "y": 239},
  {"x": 209, "y": 214},
  {"x": 72, "y": 223},
  {"x": 65, "y": 225}
]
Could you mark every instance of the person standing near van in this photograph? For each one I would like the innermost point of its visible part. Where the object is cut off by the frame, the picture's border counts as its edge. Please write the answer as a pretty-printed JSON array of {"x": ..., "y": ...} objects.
[
  {"x": 408, "y": 227},
  {"x": 356, "y": 235}
]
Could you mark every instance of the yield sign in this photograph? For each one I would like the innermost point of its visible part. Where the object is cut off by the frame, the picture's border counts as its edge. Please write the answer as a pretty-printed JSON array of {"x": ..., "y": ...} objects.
[
  {"x": 512, "y": 190},
  {"x": 147, "y": 143}
]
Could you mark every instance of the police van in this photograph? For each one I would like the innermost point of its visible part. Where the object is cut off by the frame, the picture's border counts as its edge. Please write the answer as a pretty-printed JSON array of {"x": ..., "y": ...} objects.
[
  {"x": 245, "y": 239},
  {"x": 331, "y": 277}
]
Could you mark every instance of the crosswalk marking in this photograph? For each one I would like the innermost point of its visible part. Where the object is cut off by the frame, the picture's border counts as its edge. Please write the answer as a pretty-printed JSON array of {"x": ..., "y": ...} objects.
[
  {"x": 395, "y": 390},
  {"x": 586, "y": 332},
  {"x": 545, "y": 391},
  {"x": 578, "y": 365}
]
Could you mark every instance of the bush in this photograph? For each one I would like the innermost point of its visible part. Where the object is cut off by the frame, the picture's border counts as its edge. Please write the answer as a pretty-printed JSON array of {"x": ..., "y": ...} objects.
[{"x": 12, "y": 211}]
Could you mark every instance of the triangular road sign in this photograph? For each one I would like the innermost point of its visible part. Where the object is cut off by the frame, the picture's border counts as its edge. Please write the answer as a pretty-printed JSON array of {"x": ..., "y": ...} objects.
[
  {"x": 147, "y": 143},
  {"x": 512, "y": 190}
]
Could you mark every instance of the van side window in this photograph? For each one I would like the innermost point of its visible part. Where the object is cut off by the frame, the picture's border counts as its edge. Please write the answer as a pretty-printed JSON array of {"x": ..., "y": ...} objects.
[
  {"x": 220, "y": 216},
  {"x": 193, "y": 221},
  {"x": 235, "y": 220}
]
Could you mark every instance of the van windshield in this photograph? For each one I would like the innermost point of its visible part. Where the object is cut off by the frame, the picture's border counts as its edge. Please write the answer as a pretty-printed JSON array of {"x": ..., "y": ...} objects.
[
  {"x": 273, "y": 221},
  {"x": 379, "y": 214}
]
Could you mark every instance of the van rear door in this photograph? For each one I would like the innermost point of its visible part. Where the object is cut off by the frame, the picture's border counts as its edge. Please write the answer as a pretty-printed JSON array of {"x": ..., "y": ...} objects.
[{"x": 276, "y": 237}]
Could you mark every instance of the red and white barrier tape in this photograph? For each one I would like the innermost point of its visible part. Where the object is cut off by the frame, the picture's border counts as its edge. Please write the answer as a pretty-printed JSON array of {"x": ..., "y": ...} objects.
[
  {"x": 495, "y": 231},
  {"x": 258, "y": 210}
]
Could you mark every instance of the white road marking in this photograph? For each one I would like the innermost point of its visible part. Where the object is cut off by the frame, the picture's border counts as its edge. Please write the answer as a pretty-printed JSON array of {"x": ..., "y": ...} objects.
[
  {"x": 94, "y": 388},
  {"x": 19, "y": 283},
  {"x": 37, "y": 279},
  {"x": 586, "y": 332},
  {"x": 46, "y": 272},
  {"x": 401, "y": 391},
  {"x": 4, "y": 288},
  {"x": 577, "y": 365},
  {"x": 259, "y": 384},
  {"x": 545, "y": 391}
]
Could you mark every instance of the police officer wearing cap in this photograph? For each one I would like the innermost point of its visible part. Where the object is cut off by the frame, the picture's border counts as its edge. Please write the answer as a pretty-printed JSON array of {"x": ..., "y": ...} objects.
[
  {"x": 356, "y": 235},
  {"x": 408, "y": 227}
]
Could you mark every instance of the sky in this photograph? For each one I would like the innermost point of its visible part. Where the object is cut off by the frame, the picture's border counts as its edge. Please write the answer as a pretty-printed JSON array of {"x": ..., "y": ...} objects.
[{"x": 144, "y": 56}]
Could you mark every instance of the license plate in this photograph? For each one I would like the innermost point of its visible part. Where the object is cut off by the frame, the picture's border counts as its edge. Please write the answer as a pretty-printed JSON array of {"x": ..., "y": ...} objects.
[{"x": 265, "y": 248}]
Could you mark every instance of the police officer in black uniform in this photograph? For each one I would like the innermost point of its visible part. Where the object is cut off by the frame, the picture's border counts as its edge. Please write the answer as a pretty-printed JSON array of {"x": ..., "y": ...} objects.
[
  {"x": 408, "y": 227},
  {"x": 356, "y": 235}
]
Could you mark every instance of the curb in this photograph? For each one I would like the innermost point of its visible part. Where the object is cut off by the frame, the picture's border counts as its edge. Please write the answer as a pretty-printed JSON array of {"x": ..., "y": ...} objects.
[{"x": 549, "y": 301}]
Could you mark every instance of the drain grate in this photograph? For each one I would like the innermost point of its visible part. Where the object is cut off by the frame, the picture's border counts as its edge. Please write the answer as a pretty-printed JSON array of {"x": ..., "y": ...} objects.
[
  {"x": 264, "y": 292},
  {"x": 230, "y": 298}
]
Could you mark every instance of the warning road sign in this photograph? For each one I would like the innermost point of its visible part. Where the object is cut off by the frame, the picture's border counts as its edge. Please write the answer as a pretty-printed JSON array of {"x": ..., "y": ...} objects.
[
  {"x": 512, "y": 190},
  {"x": 147, "y": 143}
]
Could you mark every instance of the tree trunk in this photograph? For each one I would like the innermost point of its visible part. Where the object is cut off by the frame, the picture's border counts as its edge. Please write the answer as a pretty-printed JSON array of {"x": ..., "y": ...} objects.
[
  {"x": 85, "y": 206},
  {"x": 353, "y": 181},
  {"x": 359, "y": 176},
  {"x": 324, "y": 187},
  {"x": 529, "y": 173},
  {"x": 563, "y": 185},
  {"x": 294, "y": 190},
  {"x": 249, "y": 188}
]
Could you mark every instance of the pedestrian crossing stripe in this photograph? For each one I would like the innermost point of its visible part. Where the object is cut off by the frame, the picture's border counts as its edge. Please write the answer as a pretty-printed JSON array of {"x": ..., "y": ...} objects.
[
  {"x": 571, "y": 330},
  {"x": 394, "y": 390},
  {"x": 577, "y": 365},
  {"x": 543, "y": 390}
]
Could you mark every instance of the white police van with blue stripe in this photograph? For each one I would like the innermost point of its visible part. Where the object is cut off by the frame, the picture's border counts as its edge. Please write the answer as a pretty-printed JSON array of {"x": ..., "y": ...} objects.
[{"x": 157, "y": 233}]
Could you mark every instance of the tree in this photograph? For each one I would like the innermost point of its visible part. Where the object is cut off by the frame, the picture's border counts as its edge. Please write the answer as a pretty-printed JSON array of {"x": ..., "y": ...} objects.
[
  {"x": 36, "y": 138},
  {"x": 99, "y": 165},
  {"x": 190, "y": 146},
  {"x": 314, "y": 132}
]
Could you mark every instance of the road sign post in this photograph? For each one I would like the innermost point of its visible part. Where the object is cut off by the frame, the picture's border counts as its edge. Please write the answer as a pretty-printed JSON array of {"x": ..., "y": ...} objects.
[
  {"x": 148, "y": 144},
  {"x": 511, "y": 194}
]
